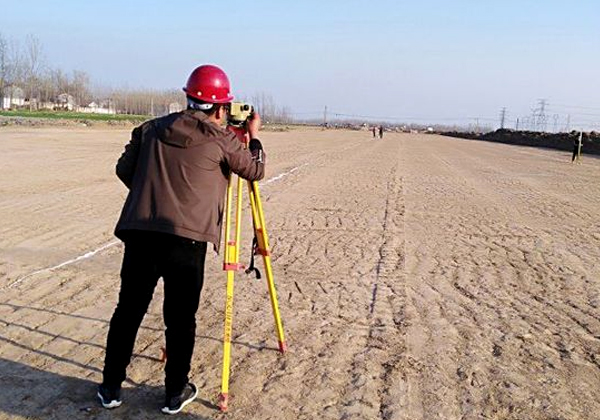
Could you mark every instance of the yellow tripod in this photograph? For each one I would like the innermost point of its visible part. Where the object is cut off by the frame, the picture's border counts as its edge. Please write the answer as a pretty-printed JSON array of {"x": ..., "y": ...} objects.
[{"x": 231, "y": 264}]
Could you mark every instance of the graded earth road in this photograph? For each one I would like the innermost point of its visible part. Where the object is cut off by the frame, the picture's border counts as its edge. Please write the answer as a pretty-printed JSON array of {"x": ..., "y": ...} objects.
[{"x": 419, "y": 277}]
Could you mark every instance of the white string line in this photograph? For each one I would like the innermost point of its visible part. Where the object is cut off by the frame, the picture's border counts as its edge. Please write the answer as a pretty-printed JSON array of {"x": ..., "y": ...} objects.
[
  {"x": 74, "y": 260},
  {"x": 113, "y": 243},
  {"x": 283, "y": 175}
]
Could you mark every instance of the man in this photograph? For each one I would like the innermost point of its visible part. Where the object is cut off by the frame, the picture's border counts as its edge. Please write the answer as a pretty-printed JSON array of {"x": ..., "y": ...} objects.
[
  {"x": 176, "y": 168},
  {"x": 576, "y": 148}
]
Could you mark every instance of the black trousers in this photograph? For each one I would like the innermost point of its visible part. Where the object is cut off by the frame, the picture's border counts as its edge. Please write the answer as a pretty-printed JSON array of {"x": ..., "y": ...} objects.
[{"x": 180, "y": 262}]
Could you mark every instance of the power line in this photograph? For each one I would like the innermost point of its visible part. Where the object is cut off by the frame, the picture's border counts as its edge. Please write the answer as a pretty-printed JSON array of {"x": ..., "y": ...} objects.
[
  {"x": 448, "y": 121},
  {"x": 584, "y": 114},
  {"x": 307, "y": 113},
  {"x": 577, "y": 107},
  {"x": 538, "y": 120},
  {"x": 405, "y": 118}
]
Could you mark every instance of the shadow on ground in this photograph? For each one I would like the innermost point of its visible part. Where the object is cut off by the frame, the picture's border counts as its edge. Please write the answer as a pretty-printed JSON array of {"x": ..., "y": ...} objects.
[{"x": 35, "y": 394}]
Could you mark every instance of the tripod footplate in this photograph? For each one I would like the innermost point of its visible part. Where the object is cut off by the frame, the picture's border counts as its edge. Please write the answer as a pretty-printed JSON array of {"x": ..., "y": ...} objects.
[{"x": 223, "y": 400}]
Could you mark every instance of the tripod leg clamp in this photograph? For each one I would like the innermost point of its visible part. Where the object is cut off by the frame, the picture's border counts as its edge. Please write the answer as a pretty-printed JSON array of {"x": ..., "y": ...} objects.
[
  {"x": 233, "y": 267},
  {"x": 263, "y": 252}
]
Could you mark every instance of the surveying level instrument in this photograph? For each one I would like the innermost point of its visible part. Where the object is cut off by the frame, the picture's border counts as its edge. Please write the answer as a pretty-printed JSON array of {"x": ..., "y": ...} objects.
[{"x": 239, "y": 113}]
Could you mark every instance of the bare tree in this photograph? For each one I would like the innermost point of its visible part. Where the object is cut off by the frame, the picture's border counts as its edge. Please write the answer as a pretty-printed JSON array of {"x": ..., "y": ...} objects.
[
  {"x": 60, "y": 81},
  {"x": 284, "y": 115},
  {"x": 269, "y": 110},
  {"x": 15, "y": 69},
  {"x": 23, "y": 70},
  {"x": 33, "y": 66},
  {"x": 80, "y": 87},
  {"x": 146, "y": 102},
  {"x": 4, "y": 65}
]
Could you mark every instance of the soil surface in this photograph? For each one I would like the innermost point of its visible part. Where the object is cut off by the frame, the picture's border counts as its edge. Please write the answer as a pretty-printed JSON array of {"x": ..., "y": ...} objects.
[{"x": 419, "y": 277}]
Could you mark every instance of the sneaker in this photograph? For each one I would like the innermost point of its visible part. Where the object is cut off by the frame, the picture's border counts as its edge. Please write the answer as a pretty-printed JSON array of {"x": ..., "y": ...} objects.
[
  {"x": 110, "y": 397},
  {"x": 175, "y": 404}
]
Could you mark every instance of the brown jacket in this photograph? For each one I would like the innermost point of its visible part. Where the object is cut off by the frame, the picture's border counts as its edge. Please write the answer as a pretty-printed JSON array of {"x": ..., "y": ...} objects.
[{"x": 176, "y": 168}]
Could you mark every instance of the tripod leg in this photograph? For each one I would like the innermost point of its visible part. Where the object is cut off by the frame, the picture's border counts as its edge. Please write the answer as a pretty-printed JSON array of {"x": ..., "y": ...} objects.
[
  {"x": 264, "y": 250},
  {"x": 224, "y": 397},
  {"x": 230, "y": 265}
]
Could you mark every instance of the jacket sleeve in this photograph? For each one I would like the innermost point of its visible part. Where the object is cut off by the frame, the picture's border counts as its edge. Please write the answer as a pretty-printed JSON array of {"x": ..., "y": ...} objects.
[
  {"x": 241, "y": 161},
  {"x": 128, "y": 160}
]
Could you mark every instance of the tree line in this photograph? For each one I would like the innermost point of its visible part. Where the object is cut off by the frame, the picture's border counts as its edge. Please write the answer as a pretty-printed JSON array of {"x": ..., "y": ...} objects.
[{"x": 23, "y": 67}]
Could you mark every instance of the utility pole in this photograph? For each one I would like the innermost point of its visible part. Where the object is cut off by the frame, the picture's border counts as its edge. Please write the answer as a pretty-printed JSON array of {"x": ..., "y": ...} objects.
[
  {"x": 502, "y": 117},
  {"x": 325, "y": 117},
  {"x": 517, "y": 125}
]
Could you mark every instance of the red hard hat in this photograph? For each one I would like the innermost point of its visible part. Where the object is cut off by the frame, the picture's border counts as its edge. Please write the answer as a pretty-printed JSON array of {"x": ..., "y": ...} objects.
[{"x": 209, "y": 83}]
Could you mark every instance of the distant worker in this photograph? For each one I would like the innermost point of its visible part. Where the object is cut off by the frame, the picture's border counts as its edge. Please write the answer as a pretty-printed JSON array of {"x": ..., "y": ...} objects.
[
  {"x": 577, "y": 148},
  {"x": 374, "y": 129},
  {"x": 381, "y": 131},
  {"x": 176, "y": 169}
]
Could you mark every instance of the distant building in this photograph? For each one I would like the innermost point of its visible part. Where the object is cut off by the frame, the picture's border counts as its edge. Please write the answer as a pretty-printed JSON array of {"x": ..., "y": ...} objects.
[
  {"x": 13, "y": 97},
  {"x": 65, "y": 101},
  {"x": 105, "y": 107},
  {"x": 47, "y": 105}
]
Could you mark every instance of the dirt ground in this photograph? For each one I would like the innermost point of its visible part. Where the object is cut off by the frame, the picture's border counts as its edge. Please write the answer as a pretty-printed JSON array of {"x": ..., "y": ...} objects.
[{"x": 420, "y": 277}]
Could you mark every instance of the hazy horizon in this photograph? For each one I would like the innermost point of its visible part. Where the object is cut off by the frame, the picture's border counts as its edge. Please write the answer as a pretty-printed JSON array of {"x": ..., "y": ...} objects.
[{"x": 429, "y": 63}]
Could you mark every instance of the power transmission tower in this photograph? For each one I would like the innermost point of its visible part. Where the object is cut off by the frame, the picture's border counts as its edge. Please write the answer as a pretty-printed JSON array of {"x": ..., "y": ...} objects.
[
  {"x": 539, "y": 116},
  {"x": 517, "y": 125},
  {"x": 543, "y": 113},
  {"x": 502, "y": 117},
  {"x": 325, "y": 117}
]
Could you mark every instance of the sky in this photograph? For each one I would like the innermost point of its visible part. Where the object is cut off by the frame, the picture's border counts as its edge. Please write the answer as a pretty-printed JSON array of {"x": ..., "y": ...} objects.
[{"x": 427, "y": 61}]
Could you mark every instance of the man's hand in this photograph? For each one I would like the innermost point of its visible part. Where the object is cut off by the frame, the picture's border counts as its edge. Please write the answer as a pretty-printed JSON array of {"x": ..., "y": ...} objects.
[{"x": 253, "y": 125}]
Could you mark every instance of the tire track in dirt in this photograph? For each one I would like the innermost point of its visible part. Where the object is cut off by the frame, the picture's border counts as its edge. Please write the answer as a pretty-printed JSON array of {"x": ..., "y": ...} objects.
[
  {"x": 496, "y": 283},
  {"x": 329, "y": 298},
  {"x": 376, "y": 386}
]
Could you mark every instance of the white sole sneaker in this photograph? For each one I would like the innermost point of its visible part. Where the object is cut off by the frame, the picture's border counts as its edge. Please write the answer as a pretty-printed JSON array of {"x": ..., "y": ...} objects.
[
  {"x": 167, "y": 410},
  {"x": 111, "y": 404}
]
